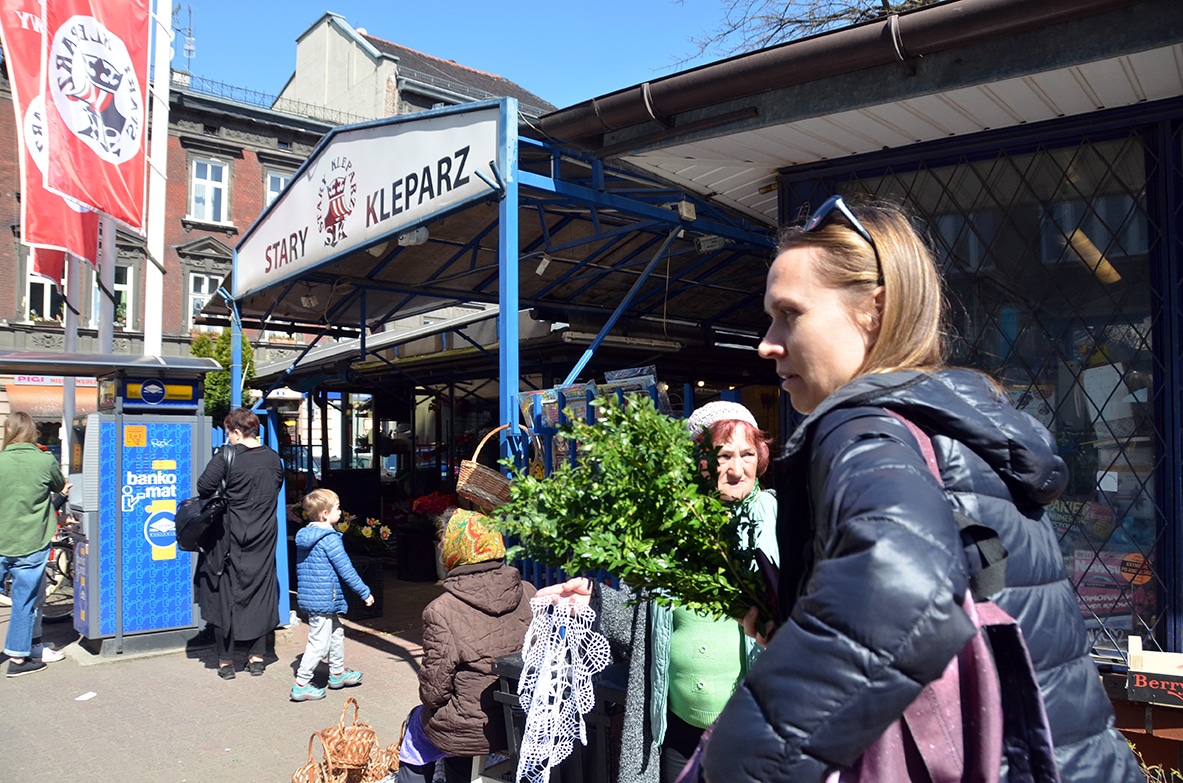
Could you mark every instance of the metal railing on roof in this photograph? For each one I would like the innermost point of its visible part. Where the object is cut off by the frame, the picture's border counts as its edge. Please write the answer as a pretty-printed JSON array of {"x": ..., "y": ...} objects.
[
  {"x": 263, "y": 100},
  {"x": 249, "y": 97}
]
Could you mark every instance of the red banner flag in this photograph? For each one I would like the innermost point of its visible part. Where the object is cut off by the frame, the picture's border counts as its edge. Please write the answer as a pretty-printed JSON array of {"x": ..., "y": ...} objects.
[
  {"x": 96, "y": 69},
  {"x": 50, "y": 264},
  {"x": 47, "y": 219}
]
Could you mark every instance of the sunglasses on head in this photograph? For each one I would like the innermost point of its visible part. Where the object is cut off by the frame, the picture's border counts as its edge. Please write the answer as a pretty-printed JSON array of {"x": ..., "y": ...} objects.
[{"x": 835, "y": 204}]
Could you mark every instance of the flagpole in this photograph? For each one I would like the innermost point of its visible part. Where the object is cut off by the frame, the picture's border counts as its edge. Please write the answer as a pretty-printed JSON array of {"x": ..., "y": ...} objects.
[
  {"x": 157, "y": 178},
  {"x": 71, "y": 346},
  {"x": 106, "y": 283}
]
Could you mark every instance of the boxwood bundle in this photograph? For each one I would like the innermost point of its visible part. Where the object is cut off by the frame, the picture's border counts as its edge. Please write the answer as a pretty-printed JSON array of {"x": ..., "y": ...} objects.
[{"x": 639, "y": 506}]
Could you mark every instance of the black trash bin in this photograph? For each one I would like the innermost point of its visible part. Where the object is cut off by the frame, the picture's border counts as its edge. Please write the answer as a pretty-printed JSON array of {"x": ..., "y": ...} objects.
[{"x": 370, "y": 571}]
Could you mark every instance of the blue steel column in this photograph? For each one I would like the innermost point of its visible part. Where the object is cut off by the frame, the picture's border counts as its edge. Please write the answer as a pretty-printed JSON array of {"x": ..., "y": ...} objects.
[
  {"x": 507, "y": 263},
  {"x": 235, "y": 348}
]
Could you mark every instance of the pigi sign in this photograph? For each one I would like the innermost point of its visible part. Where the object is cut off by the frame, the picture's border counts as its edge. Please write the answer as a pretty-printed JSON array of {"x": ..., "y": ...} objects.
[{"x": 367, "y": 182}]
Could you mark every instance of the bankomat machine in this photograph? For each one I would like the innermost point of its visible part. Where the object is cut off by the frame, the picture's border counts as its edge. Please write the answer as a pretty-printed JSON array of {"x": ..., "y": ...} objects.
[{"x": 131, "y": 463}]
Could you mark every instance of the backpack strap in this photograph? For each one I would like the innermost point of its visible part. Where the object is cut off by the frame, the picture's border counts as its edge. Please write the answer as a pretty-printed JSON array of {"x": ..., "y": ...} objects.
[
  {"x": 227, "y": 453},
  {"x": 989, "y": 555}
]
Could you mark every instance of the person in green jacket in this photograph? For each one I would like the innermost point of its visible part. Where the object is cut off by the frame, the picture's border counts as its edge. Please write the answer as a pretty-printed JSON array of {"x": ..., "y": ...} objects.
[{"x": 29, "y": 478}]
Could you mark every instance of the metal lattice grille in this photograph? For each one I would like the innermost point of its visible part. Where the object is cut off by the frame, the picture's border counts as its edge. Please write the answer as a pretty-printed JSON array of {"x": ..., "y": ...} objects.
[{"x": 1047, "y": 264}]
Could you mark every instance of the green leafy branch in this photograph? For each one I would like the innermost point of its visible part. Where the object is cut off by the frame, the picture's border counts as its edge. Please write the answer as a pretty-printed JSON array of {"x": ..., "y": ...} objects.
[{"x": 639, "y": 506}]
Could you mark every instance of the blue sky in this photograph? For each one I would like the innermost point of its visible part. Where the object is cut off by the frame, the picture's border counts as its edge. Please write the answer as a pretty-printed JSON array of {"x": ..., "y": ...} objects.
[{"x": 562, "y": 51}]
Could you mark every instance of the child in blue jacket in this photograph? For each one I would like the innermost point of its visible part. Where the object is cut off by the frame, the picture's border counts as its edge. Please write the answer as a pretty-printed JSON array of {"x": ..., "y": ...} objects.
[{"x": 321, "y": 566}]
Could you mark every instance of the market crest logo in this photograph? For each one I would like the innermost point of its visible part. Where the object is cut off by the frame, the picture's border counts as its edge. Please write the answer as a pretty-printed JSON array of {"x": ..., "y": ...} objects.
[
  {"x": 95, "y": 89},
  {"x": 338, "y": 197}
]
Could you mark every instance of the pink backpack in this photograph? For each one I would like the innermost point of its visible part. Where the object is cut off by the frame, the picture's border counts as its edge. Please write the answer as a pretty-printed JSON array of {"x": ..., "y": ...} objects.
[{"x": 987, "y": 701}]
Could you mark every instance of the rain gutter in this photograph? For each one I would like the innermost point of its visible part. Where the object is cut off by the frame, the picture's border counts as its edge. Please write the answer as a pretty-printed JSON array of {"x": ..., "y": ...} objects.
[{"x": 898, "y": 38}]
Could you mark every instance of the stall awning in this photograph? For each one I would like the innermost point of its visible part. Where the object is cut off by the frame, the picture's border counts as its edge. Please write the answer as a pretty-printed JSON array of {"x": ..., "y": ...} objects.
[{"x": 44, "y": 403}]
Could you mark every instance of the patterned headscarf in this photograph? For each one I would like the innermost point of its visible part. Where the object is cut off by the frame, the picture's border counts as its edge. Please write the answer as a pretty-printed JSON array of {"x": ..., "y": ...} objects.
[{"x": 469, "y": 538}]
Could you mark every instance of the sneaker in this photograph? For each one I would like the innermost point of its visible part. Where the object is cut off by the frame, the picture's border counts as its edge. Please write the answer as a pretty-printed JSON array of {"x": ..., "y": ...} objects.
[
  {"x": 226, "y": 672},
  {"x": 346, "y": 679},
  {"x": 255, "y": 668},
  {"x": 28, "y": 666},
  {"x": 307, "y": 692},
  {"x": 48, "y": 654}
]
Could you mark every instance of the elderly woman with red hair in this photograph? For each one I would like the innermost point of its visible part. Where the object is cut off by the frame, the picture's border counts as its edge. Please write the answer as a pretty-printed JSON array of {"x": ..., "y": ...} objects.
[{"x": 683, "y": 666}]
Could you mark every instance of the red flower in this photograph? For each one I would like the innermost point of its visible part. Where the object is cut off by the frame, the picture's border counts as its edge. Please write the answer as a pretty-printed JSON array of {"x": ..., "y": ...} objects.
[{"x": 434, "y": 503}]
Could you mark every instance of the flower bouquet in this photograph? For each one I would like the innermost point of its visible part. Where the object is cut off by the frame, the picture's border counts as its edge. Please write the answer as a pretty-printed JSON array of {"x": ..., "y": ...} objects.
[{"x": 639, "y": 506}]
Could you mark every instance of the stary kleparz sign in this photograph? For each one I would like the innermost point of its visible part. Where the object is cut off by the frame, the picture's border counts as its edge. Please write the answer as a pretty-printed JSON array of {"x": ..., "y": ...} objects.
[{"x": 368, "y": 181}]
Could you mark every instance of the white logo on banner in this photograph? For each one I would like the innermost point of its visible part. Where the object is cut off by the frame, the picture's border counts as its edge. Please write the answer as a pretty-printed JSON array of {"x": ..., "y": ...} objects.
[
  {"x": 36, "y": 142},
  {"x": 338, "y": 196},
  {"x": 95, "y": 89}
]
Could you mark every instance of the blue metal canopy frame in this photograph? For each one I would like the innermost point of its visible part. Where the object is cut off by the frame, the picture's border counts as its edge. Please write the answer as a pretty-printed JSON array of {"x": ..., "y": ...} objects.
[{"x": 602, "y": 231}]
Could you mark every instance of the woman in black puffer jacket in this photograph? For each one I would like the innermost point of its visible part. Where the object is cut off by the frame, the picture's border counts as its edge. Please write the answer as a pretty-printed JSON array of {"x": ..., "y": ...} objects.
[{"x": 873, "y": 571}]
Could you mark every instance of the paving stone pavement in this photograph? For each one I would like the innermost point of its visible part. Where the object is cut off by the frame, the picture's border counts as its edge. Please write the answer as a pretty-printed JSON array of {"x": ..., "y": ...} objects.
[{"x": 168, "y": 718}]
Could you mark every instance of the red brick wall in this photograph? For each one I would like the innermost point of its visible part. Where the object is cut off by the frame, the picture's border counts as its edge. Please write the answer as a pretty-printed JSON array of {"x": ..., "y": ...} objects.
[{"x": 10, "y": 289}]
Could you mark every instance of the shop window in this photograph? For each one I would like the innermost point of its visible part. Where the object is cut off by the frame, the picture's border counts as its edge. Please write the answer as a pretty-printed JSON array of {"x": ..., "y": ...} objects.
[
  {"x": 201, "y": 288},
  {"x": 1045, "y": 257},
  {"x": 207, "y": 191}
]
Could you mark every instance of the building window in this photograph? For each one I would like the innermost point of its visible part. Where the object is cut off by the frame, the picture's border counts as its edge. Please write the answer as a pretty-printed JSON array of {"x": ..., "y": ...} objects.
[
  {"x": 276, "y": 182},
  {"x": 201, "y": 289},
  {"x": 208, "y": 191},
  {"x": 124, "y": 300},
  {"x": 43, "y": 302}
]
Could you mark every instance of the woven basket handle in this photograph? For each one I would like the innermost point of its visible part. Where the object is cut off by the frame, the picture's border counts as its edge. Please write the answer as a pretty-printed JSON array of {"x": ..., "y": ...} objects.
[
  {"x": 493, "y": 432},
  {"x": 488, "y": 435},
  {"x": 345, "y": 709}
]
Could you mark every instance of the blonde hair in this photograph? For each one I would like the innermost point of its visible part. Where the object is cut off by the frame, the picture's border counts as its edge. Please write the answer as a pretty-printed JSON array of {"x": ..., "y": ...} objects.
[
  {"x": 19, "y": 428},
  {"x": 319, "y": 502},
  {"x": 912, "y": 312}
]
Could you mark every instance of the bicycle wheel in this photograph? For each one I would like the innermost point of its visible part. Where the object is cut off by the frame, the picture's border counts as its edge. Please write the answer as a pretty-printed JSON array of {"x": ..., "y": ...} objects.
[
  {"x": 59, "y": 571},
  {"x": 59, "y": 586}
]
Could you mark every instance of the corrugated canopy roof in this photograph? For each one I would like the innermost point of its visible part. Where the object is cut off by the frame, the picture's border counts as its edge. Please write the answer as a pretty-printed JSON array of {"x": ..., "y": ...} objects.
[{"x": 727, "y": 130}]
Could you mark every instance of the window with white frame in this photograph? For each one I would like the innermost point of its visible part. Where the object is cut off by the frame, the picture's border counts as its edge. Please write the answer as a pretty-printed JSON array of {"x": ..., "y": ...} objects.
[
  {"x": 207, "y": 188},
  {"x": 124, "y": 300},
  {"x": 43, "y": 301},
  {"x": 201, "y": 288},
  {"x": 276, "y": 182}
]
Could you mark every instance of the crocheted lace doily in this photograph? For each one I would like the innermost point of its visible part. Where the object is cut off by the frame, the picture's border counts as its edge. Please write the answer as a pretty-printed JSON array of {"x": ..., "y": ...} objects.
[{"x": 559, "y": 657}]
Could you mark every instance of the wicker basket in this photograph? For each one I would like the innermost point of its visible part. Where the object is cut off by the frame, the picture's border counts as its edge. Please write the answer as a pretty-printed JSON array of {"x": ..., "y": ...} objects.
[
  {"x": 351, "y": 746},
  {"x": 319, "y": 771},
  {"x": 480, "y": 484}
]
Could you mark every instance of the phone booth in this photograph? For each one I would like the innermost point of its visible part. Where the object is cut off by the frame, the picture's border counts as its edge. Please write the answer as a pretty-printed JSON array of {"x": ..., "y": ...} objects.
[{"x": 131, "y": 463}]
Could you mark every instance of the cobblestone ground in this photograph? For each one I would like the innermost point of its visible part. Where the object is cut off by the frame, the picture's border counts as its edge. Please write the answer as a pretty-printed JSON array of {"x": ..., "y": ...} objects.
[{"x": 167, "y": 717}]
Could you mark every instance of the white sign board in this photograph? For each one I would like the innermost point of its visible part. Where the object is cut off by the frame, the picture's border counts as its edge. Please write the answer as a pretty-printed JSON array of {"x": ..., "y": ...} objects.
[{"x": 367, "y": 182}]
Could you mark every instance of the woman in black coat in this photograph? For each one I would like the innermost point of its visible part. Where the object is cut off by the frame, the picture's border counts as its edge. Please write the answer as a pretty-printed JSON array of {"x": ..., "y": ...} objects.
[
  {"x": 873, "y": 573},
  {"x": 237, "y": 587}
]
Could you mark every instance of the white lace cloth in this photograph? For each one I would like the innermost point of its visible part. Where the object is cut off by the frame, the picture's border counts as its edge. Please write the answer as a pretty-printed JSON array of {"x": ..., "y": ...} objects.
[{"x": 559, "y": 657}]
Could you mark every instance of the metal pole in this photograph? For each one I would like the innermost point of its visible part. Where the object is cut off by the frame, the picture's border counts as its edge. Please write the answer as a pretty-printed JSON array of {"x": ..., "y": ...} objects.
[
  {"x": 106, "y": 283},
  {"x": 70, "y": 345},
  {"x": 157, "y": 177},
  {"x": 507, "y": 261}
]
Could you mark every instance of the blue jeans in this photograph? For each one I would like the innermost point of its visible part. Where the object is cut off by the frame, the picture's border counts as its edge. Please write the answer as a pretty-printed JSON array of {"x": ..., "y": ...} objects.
[{"x": 26, "y": 571}]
